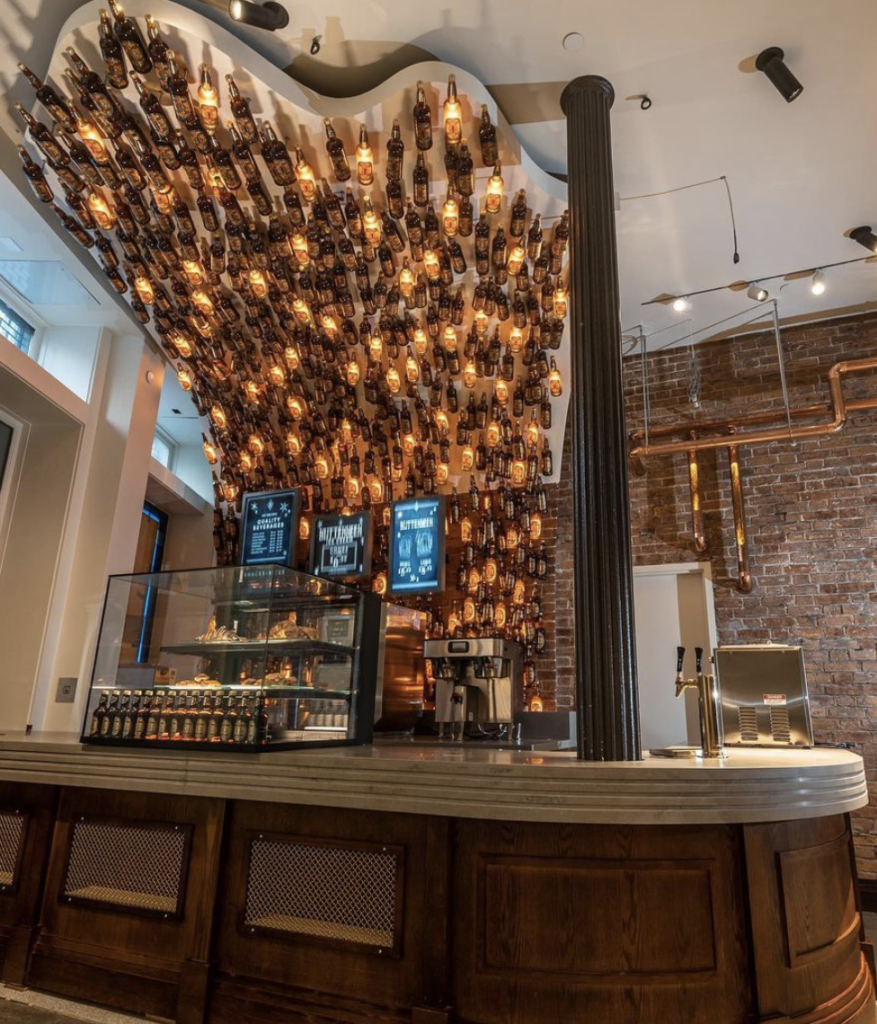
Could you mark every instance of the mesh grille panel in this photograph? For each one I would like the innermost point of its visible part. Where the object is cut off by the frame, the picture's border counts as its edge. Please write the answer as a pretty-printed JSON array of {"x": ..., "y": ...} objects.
[
  {"x": 11, "y": 834},
  {"x": 332, "y": 892},
  {"x": 137, "y": 866},
  {"x": 748, "y": 718},
  {"x": 780, "y": 727}
]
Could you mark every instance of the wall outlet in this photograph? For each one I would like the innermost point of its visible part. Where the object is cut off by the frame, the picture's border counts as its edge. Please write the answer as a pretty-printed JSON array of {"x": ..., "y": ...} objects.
[{"x": 66, "y": 692}]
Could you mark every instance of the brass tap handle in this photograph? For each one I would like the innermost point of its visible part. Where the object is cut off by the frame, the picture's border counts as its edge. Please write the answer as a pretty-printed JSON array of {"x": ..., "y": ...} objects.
[
  {"x": 680, "y": 655},
  {"x": 698, "y": 660}
]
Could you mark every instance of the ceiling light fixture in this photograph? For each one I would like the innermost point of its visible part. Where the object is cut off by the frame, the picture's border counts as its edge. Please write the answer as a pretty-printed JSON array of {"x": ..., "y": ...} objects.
[
  {"x": 757, "y": 292},
  {"x": 680, "y": 304},
  {"x": 270, "y": 15},
  {"x": 817, "y": 285},
  {"x": 865, "y": 236},
  {"x": 771, "y": 62}
]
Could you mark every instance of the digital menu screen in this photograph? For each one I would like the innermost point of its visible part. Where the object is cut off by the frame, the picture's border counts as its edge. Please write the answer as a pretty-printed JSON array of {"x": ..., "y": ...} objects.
[
  {"x": 270, "y": 528},
  {"x": 417, "y": 546},
  {"x": 341, "y": 546}
]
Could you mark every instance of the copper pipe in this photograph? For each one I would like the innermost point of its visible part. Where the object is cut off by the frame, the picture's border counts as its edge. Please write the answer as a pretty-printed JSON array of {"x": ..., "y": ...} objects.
[
  {"x": 838, "y": 410},
  {"x": 696, "y": 507},
  {"x": 744, "y": 576}
]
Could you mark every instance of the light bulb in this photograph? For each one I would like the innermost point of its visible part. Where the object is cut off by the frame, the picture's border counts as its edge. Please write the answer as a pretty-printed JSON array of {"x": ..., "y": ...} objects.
[
  {"x": 817, "y": 286},
  {"x": 467, "y": 458},
  {"x": 208, "y": 99},
  {"x": 470, "y": 375},
  {"x": 321, "y": 467},
  {"x": 453, "y": 114},
  {"x": 560, "y": 302},
  {"x": 353, "y": 373},
  {"x": 144, "y": 289},
  {"x": 680, "y": 304},
  {"x": 493, "y": 198},
  {"x": 258, "y": 283},
  {"x": 304, "y": 175},
  {"x": 101, "y": 211},
  {"x": 210, "y": 453},
  {"x": 293, "y": 443},
  {"x": 300, "y": 249},
  {"x": 276, "y": 375},
  {"x": 516, "y": 341},
  {"x": 432, "y": 265},
  {"x": 501, "y": 390},
  {"x": 406, "y": 280},
  {"x": 290, "y": 354},
  {"x": 394, "y": 381},
  {"x": 408, "y": 443},
  {"x": 185, "y": 379},
  {"x": 441, "y": 474},
  {"x": 517, "y": 255},
  {"x": 450, "y": 217},
  {"x": 421, "y": 341},
  {"x": 365, "y": 161},
  {"x": 494, "y": 434},
  {"x": 217, "y": 415},
  {"x": 192, "y": 270},
  {"x": 450, "y": 339},
  {"x": 304, "y": 528},
  {"x": 466, "y": 530}
]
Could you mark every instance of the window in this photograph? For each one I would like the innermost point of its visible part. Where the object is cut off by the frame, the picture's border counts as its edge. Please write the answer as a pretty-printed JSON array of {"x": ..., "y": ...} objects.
[
  {"x": 15, "y": 327},
  {"x": 163, "y": 449}
]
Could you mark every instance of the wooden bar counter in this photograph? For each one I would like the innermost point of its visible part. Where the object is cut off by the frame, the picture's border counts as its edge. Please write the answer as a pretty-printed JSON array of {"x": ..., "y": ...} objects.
[{"x": 434, "y": 883}]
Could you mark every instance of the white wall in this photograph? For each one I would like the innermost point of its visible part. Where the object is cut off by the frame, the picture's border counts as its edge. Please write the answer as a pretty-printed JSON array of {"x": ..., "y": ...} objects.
[{"x": 69, "y": 354}]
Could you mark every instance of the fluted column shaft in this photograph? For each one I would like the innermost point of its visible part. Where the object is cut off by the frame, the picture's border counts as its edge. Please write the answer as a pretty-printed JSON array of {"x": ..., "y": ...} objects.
[{"x": 606, "y": 686}]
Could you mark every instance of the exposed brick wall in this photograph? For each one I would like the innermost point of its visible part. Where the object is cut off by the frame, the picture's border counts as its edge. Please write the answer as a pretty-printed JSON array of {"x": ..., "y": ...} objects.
[{"x": 811, "y": 511}]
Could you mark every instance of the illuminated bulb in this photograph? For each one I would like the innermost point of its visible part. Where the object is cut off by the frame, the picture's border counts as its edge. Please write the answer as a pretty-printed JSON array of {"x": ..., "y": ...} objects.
[
  {"x": 203, "y": 302},
  {"x": 516, "y": 341},
  {"x": 181, "y": 344},
  {"x": 412, "y": 370},
  {"x": 680, "y": 304},
  {"x": 490, "y": 571},
  {"x": 291, "y": 356},
  {"x": 296, "y": 409},
  {"x": 408, "y": 442},
  {"x": 450, "y": 217},
  {"x": 512, "y": 536},
  {"x": 245, "y": 462},
  {"x": 532, "y": 433},
  {"x": 258, "y": 283},
  {"x": 353, "y": 373},
  {"x": 470, "y": 375},
  {"x": 494, "y": 434},
  {"x": 371, "y": 226},
  {"x": 482, "y": 322},
  {"x": 817, "y": 286},
  {"x": 469, "y": 610},
  {"x": 466, "y": 530},
  {"x": 365, "y": 160},
  {"x": 535, "y": 526},
  {"x": 230, "y": 491},
  {"x": 517, "y": 255},
  {"x": 501, "y": 390},
  {"x": 555, "y": 381},
  {"x": 375, "y": 348},
  {"x": 276, "y": 375},
  {"x": 406, "y": 279},
  {"x": 321, "y": 467},
  {"x": 304, "y": 528},
  {"x": 500, "y": 615},
  {"x": 519, "y": 473},
  {"x": 493, "y": 197},
  {"x": 394, "y": 381},
  {"x": 346, "y": 432},
  {"x": 519, "y": 593},
  {"x": 441, "y": 474},
  {"x": 163, "y": 201},
  {"x": 421, "y": 341},
  {"x": 304, "y": 175},
  {"x": 328, "y": 324},
  {"x": 474, "y": 581},
  {"x": 380, "y": 583},
  {"x": 92, "y": 140},
  {"x": 468, "y": 458},
  {"x": 301, "y": 311},
  {"x": 453, "y": 622},
  {"x": 210, "y": 453},
  {"x": 192, "y": 270},
  {"x": 535, "y": 702},
  {"x": 256, "y": 445},
  {"x": 351, "y": 488},
  {"x": 144, "y": 289},
  {"x": 376, "y": 491},
  {"x": 561, "y": 301},
  {"x": 441, "y": 421},
  {"x": 185, "y": 379},
  {"x": 293, "y": 443},
  {"x": 431, "y": 264},
  {"x": 452, "y": 114},
  {"x": 251, "y": 389},
  {"x": 450, "y": 339},
  {"x": 208, "y": 98},
  {"x": 300, "y": 249},
  {"x": 101, "y": 211}
]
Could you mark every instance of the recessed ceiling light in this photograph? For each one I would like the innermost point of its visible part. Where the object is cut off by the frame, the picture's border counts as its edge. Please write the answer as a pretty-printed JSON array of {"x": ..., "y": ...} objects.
[{"x": 573, "y": 41}]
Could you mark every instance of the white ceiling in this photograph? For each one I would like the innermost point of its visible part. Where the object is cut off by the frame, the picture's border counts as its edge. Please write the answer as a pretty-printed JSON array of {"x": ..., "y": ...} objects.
[{"x": 801, "y": 174}]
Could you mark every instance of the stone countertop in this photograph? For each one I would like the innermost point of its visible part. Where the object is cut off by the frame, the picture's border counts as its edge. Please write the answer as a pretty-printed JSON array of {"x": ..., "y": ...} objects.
[{"x": 467, "y": 781}]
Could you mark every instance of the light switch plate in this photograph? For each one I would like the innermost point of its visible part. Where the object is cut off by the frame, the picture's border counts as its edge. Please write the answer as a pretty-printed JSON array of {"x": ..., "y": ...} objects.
[{"x": 66, "y": 692}]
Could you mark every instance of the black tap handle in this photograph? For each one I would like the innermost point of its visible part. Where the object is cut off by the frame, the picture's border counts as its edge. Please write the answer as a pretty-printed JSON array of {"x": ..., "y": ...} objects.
[
  {"x": 680, "y": 654},
  {"x": 698, "y": 660}
]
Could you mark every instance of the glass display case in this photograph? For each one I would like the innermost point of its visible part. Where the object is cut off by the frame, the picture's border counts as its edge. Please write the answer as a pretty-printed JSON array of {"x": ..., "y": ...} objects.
[{"x": 239, "y": 658}]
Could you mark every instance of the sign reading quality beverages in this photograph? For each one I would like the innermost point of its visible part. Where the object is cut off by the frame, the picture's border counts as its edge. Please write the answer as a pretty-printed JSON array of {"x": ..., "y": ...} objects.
[
  {"x": 270, "y": 528},
  {"x": 341, "y": 546},
  {"x": 417, "y": 546}
]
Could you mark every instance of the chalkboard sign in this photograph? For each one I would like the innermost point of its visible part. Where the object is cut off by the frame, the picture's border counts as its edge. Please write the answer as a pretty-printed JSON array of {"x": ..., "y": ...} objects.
[
  {"x": 270, "y": 528},
  {"x": 417, "y": 546},
  {"x": 341, "y": 546}
]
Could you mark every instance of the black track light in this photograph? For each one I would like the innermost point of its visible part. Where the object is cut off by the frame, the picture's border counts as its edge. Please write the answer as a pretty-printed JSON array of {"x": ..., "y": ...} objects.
[
  {"x": 771, "y": 62},
  {"x": 270, "y": 15},
  {"x": 865, "y": 236}
]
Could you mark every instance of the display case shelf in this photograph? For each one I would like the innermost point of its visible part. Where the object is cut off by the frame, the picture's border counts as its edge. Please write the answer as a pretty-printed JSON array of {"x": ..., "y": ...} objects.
[{"x": 301, "y": 647}]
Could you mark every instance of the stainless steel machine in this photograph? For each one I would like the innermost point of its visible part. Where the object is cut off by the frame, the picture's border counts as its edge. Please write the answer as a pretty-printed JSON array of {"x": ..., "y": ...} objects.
[
  {"x": 763, "y": 698},
  {"x": 477, "y": 683}
]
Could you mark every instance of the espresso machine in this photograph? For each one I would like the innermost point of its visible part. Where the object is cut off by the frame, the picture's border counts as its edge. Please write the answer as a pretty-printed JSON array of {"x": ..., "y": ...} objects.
[{"x": 478, "y": 684}]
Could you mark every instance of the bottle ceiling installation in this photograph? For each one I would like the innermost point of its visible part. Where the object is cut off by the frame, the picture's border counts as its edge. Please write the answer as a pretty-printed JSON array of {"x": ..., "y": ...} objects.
[{"x": 368, "y": 306}]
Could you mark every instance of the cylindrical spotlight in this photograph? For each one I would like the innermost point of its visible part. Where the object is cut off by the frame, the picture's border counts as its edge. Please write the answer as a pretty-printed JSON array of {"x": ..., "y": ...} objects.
[
  {"x": 865, "y": 236},
  {"x": 771, "y": 62},
  {"x": 757, "y": 292},
  {"x": 817, "y": 285},
  {"x": 270, "y": 15}
]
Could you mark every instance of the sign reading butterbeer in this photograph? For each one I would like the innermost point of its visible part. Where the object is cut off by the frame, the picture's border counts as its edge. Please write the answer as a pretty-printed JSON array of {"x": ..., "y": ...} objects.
[
  {"x": 341, "y": 546},
  {"x": 270, "y": 528},
  {"x": 417, "y": 546}
]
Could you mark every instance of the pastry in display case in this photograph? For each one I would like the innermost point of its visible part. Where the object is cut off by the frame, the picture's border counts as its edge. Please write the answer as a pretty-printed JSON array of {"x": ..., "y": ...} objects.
[{"x": 237, "y": 658}]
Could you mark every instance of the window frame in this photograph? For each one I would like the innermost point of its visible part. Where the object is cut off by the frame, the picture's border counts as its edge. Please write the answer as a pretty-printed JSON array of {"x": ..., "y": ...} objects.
[{"x": 172, "y": 446}]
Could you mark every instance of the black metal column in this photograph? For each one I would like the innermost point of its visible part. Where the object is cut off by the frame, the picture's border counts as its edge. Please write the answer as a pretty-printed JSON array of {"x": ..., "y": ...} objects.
[{"x": 606, "y": 688}]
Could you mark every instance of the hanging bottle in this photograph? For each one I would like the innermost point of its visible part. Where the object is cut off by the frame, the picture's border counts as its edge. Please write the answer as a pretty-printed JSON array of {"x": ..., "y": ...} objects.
[{"x": 422, "y": 120}]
